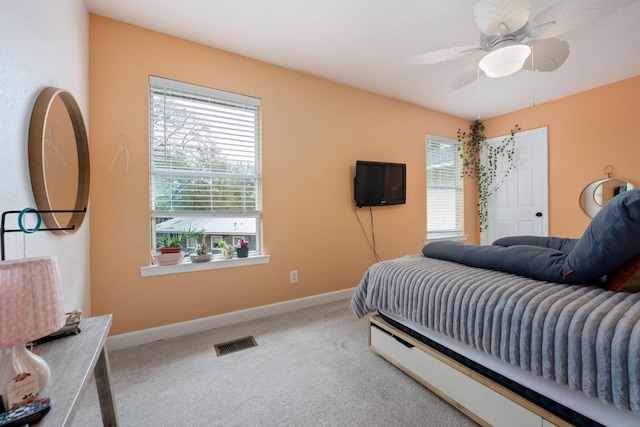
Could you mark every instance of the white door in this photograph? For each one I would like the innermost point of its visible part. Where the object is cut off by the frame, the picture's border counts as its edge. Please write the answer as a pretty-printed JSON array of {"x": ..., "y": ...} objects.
[{"x": 520, "y": 206}]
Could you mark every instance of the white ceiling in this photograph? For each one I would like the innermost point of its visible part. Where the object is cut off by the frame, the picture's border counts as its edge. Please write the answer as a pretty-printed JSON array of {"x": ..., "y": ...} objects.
[{"x": 362, "y": 43}]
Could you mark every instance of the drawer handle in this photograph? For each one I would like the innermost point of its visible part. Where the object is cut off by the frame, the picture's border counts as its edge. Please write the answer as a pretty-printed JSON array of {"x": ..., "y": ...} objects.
[{"x": 403, "y": 342}]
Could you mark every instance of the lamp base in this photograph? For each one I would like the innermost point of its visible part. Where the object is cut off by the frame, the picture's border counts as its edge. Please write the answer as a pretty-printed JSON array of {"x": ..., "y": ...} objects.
[{"x": 22, "y": 375}]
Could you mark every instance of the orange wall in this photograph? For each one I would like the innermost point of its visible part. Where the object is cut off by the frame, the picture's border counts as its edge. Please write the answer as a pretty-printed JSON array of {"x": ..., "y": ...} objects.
[
  {"x": 586, "y": 132},
  {"x": 313, "y": 131}
]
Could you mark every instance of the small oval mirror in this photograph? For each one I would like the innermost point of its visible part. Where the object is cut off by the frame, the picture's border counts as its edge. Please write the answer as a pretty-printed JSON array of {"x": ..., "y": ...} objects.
[
  {"x": 59, "y": 160},
  {"x": 598, "y": 193}
]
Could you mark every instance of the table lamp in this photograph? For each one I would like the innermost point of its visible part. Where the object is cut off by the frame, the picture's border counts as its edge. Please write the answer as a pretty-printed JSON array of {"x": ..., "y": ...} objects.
[{"x": 31, "y": 306}]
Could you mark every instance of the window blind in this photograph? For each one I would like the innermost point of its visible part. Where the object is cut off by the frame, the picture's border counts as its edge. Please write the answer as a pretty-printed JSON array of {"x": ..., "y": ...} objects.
[
  {"x": 444, "y": 189},
  {"x": 204, "y": 151}
]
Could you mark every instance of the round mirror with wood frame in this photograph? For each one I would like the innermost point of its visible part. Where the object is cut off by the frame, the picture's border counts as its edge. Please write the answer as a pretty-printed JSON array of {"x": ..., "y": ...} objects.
[{"x": 59, "y": 160}]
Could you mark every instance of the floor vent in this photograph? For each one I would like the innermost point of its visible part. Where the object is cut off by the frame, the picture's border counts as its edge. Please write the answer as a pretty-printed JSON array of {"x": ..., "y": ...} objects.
[{"x": 235, "y": 345}]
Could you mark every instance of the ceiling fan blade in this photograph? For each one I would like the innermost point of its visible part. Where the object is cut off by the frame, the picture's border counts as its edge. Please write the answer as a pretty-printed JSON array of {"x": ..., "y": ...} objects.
[
  {"x": 547, "y": 54},
  {"x": 442, "y": 55},
  {"x": 470, "y": 74},
  {"x": 501, "y": 17},
  {"x": 567, "y": 15}
]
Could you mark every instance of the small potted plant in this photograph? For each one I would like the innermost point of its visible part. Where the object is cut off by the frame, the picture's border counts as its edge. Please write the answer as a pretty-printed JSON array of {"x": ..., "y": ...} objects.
[
  {"x": 227, "y": 250},
  {"x": 170, "y": 251},
  {"x": 243, "y": 249},
  {"x": 170, "y": 245},
  {"x": 201, "y": 254}
]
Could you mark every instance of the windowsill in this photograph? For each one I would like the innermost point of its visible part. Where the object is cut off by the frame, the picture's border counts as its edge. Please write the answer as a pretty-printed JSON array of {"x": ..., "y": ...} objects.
[
  {"x": 459, "y": 237},
  {"x": 187, "y": 267}
]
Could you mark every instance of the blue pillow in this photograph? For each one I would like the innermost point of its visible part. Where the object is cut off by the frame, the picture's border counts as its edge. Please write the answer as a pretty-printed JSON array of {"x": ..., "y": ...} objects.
[
  {"x": 560, "y": 243},
  {"x": 611, "y": 239},
  {"x": 535, "y": 262}
]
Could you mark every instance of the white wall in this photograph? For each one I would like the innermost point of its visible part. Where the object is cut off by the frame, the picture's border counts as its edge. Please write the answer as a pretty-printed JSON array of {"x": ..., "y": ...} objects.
[{"x": 42, "y": 43}]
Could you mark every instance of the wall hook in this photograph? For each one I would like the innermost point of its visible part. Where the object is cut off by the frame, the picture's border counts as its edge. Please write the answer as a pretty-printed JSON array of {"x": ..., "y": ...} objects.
[
  {"x": 52, "y": 147},
  {"x": 124, "y": 152}
]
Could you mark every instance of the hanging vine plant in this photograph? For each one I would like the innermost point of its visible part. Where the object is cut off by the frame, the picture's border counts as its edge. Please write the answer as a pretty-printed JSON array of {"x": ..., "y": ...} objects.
[{"x": 472, "y": 145}]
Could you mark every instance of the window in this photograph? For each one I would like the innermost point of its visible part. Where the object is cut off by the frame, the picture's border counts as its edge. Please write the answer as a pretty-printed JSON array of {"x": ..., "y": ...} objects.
[
  {"x": 205, "y": 166},
  {"x": 444, "y": 189}
]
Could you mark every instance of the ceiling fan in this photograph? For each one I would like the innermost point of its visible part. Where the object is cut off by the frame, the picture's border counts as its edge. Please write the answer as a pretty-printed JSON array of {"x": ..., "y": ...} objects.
[{"x": 511, "y": 39}]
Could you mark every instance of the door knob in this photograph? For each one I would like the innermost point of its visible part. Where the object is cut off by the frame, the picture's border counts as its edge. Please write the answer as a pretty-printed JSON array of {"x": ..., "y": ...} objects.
[{"x": 538, "y": 214}]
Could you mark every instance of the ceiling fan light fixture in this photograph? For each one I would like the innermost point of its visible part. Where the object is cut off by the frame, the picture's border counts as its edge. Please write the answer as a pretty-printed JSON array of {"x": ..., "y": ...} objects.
[{"x": 504, "y": 61}]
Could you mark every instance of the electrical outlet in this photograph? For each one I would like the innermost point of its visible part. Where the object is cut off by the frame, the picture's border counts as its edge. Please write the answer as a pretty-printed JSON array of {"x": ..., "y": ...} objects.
[{"x": 293, "y": 276}]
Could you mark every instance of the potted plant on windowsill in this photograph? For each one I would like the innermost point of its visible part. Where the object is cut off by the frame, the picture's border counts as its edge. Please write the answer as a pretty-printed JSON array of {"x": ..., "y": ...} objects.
[
  {"x": 227, "y": 249},
  {"x": 170, "y": 251},
  {"x": 170, "y": 245},
  {"x": 243, "y": 249},
  {"x": 201, "y": 254}
]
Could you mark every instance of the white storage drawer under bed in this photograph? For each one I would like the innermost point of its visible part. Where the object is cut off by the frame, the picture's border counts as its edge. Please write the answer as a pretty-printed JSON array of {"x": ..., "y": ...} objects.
[{"x": 481, "y": 399}]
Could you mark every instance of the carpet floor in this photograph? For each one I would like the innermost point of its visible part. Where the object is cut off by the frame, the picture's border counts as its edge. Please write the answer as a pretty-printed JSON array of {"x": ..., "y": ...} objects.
[{"x": 311, "y": 367}]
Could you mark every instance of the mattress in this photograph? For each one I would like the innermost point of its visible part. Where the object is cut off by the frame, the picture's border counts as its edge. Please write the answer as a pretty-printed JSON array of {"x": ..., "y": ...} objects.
[{"x": 582, "y": 339}]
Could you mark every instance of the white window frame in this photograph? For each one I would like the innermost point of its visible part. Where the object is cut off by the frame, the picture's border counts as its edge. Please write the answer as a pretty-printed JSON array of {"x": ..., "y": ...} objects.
[
  {"x": 434, "y": 232},
  {"x": 225, "y": 98}
]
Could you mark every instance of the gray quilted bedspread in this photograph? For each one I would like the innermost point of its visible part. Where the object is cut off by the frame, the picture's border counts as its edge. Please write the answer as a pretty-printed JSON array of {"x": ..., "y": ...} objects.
[{"x": 582, "y": 336}]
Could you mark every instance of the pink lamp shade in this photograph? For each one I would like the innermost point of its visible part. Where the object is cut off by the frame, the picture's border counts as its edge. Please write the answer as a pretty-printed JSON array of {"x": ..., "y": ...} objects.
[
  {"x": 31, "y": 304},
  {"x": 31, "y": 307}
]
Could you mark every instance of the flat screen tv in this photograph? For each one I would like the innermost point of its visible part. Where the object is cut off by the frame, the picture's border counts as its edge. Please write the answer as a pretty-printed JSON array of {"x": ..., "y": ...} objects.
[{"x": 380, "y": 183}]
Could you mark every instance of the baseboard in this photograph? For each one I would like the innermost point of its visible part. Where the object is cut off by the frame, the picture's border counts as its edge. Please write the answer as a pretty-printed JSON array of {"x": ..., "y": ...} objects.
[{"x": 130, "y": 339}]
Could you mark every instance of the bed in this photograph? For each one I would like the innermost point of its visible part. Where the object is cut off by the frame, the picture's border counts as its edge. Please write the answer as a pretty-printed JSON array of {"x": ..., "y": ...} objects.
[{"x": 508, "y": 349}]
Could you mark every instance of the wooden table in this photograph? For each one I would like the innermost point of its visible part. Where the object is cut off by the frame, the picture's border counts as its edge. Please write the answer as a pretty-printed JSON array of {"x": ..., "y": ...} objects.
[{"x": 71, "y": 361}]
